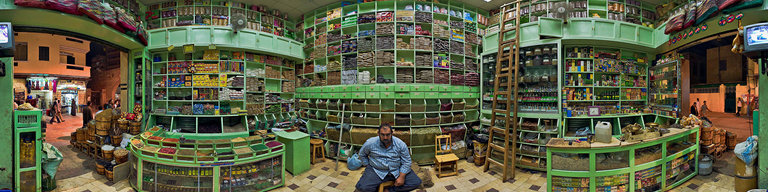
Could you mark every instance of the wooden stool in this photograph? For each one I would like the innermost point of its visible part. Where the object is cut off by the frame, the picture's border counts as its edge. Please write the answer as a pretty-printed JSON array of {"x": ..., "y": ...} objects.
[
  {"x": 386, "y": 184},
  {"x": 317, "y": 149}
]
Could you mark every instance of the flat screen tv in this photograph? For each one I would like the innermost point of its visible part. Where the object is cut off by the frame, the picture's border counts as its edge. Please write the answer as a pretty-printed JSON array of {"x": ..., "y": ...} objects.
[
  {"x": 6, "y": 40},
  {"x": 756, "y": 38}
]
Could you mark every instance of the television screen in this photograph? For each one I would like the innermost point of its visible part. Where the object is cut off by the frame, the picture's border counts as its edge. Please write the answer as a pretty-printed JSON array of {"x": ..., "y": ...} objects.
[
  {"x": 757, "y": 35},
  {"x": 4, "y": 33}
]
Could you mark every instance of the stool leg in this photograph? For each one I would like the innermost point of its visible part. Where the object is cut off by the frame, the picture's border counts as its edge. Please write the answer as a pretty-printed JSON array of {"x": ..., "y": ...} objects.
[
  {"x": 322, "y": 151},
  {"x": 313, "y": 154}
]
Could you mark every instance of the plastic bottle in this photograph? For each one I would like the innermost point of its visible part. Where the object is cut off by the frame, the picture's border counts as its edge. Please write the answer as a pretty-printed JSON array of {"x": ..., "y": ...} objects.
[{"x": 603, "y": 132}]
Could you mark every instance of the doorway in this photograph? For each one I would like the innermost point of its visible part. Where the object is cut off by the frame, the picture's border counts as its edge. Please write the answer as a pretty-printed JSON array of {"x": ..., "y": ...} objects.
[{"x": 730, "y": 99}]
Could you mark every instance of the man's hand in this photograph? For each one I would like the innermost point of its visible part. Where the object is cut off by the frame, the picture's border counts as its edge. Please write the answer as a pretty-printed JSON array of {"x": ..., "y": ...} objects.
[{"x": 400, "y": 181}]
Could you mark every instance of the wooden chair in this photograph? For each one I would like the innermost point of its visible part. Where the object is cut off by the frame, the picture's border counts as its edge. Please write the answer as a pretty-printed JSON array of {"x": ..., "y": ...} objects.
[
  {"x": 444, "y": 158},
  {"x": 385, "y": 185},
  {"x": 317, "y": 149}
]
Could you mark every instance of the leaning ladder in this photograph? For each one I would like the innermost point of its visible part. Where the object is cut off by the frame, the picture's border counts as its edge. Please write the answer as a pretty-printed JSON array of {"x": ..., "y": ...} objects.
[{"x": 506, "y": 69}]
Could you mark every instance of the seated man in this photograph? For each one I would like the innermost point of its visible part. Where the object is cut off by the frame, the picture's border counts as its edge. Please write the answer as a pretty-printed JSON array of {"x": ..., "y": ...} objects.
[{"x": 387, "y": 159}]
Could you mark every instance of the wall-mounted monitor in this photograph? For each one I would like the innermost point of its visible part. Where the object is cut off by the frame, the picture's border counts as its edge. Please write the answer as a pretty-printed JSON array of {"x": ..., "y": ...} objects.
[
  {"x": 6, "y": 40},
  {"x": 756, "y": 38}
]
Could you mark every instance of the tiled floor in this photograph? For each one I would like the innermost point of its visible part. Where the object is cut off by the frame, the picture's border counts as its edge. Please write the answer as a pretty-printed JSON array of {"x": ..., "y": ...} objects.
[{"x": 76, "y": 174}]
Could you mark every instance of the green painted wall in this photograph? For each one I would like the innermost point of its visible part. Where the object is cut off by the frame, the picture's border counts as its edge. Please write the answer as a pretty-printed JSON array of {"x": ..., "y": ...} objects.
[
  {"x": 763, "y": 133},
  {"x": 6, "y": 124}
]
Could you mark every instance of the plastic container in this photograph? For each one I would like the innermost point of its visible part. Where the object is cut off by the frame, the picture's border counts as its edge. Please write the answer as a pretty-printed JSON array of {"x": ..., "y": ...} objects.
[{"x": 603, "y": 132}]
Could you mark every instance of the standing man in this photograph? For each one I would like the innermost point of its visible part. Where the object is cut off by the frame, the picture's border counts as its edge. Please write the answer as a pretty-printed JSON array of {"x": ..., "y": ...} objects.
[
  {"x": 387, "y": 159},
  {"x": 698, "y": 106},
  {"x": 704, "y": 109},
  {"x": 87, "y": 114}
]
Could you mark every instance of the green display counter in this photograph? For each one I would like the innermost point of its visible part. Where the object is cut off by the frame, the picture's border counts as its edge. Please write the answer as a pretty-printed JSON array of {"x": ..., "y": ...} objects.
[
  {"x": 654, "y": 164},
  {"x": 164, "y": 162},
  {"x": 296, "y": 151}
]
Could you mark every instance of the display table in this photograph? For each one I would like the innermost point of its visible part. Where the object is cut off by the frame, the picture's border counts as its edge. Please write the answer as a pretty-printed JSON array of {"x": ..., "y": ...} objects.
[
  {"x": 296, "y": 151},
  {"x": 654, "y": 164}
]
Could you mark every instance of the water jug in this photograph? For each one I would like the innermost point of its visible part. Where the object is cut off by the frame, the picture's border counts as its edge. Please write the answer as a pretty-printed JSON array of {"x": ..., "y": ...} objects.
[
  {"x": 705, "y": 165},
  {"x": 603, "y": 132}
]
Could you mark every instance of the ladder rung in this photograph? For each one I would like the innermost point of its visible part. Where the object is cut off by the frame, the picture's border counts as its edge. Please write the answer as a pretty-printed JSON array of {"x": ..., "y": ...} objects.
[
  {"x": 496, "y": 147},
  {"x": 500, "y": 111},
  {"x": 494, "y": 128},
  {"x": 493, "y": 161},
  {"x": 502, "y": 93},
  {"x": 508, "y": 30},
  {"x": 511, "y": 41}
]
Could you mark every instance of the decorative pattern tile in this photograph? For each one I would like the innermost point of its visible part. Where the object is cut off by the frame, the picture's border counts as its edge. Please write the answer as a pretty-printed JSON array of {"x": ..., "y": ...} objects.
[
  {"x": 293, "y": 187},
  {"x": 534, "y": 187},
  {"x": 492, "y": 190},
  {"x": 474, "y": 180},
  {"x": 510, "y": 181},
  {"x": 450, "y": 187},
  {"x": 693, "y": 186},
  {"x": 462, "y": 171},
  {"x": 87, "y": 190},
  {"x": 333, "y": 184},
  {"x": 325, "y": 168},
  {"x": 491, "y": 172},
  {"x": 311, "y": 177},
  {"x": 344, "y": 173}
]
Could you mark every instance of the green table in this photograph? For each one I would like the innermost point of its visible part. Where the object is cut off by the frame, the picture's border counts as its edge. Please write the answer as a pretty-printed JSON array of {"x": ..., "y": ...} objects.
[{"x": 296, "y": 151}]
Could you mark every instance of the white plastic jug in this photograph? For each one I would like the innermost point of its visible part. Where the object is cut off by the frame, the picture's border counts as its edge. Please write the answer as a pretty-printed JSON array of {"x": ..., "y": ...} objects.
[{"x": 603, "y": 132}]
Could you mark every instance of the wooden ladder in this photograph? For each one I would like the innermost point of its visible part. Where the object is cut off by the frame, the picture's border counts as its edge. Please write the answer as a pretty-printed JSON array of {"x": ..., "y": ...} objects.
[{"x": 506, "y": 69}]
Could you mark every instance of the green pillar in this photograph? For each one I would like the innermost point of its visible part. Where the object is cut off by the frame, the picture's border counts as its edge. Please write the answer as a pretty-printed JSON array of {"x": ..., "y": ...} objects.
[
  {"x": 762, "y": 148},
  {"x": 6, "y": 124}
]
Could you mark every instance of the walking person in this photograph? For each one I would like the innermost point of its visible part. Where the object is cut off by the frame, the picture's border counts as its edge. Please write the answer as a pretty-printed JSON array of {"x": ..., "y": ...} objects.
[
  {"x": 55, "y": 111},
  {"x": 704, "y": 109},
  {"x": 87, "y": 114},
  {"x": 694, "y": 109},
  {"x": 738, "y": 106}
]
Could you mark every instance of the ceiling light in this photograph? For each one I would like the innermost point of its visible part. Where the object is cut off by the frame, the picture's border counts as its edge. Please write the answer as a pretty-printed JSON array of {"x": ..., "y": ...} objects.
[{"x": 487, "y": 0}]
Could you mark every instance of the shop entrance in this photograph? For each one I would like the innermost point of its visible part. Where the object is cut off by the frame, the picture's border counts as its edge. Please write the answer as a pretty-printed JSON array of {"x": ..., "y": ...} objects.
[{"x": 730, "y": 100}]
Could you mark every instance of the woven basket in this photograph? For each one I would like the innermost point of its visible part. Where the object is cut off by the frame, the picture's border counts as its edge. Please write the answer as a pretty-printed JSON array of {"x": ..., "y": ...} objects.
[
  {"x": 402, "y": 107},
  {"x": 433, "y": 120},
  {"x": 446, "y": 119},
  {"x": 418, "y": 107},
  {"x": 372, "y": 107},
  {"x": 371, "y": 121},
  {"x": 402, "y": 121},
  {"x": 358, "y": 107},
  {"x": 358, "y": 120},
  {"x": 418, "y": 121},
  {"x": 433, "y": 107},
  {"x": 458, "y": 106}
]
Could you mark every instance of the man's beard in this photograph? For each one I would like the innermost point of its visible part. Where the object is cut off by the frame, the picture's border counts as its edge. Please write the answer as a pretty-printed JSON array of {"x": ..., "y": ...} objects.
[{"x": 386, "y": 141}]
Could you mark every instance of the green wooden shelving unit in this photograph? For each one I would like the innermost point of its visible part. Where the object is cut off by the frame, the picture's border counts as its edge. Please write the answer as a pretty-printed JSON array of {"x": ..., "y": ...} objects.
[
  {"x": 405, "y": 101},
  {"x": 217, "y": 13},
  {"x": 652, "y": 165},
  {"x": 665, "y": 92}
]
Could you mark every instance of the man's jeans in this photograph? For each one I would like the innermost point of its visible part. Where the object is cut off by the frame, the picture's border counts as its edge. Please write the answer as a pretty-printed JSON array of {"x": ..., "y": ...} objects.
[{"x": 370, "y": 181}]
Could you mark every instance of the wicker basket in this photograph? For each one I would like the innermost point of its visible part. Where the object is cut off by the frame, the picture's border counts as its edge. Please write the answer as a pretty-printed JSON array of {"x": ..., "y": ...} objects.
[
  {"x": 433, "y": 120},
  {"x": 371, "y": 121},
  {"x": 372, "y": 107},
  {"x": 312, "y": 105},
  {"x": 402, "y": 107},
  {"x": 446, "y": 107},
  {"x": 402, "y": 121},
  {"x": 322, "y": 105},
  {"x": 388, "y": 118},
  {"x": 446, "y": 119},
  {"x": 418, "y": 121},
  {"x": 358, "y": 120},
  {"x": 385, "y": 109},
  {"x": 458, "y": 106},
  {"x": 433, "y": 107},
  {"x": 470, "y": 106},
  {"x": 333, "y": 105},
  {"x": 458, "y": 118},
  {"x": 358, "y": 107},
  {"x": 333, "y": 118}
]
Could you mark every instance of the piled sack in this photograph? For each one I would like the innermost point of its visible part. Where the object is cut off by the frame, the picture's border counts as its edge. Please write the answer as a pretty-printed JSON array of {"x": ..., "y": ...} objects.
[
  {"x": 441, "y": 45},
  {"x": 457, "y": 65},
  {"x": 457, "y": 79},
  {"x": 381, "y": 79},
  {"x": 385, "y": 29},
  {"x": 424, "y": 17},
  {"x": 424, "y": 76},
  {"x": 365, "y": 59},
  {"x": 289, "y": 87},
  {"x": 334, "y": 78},
  {"x": 334, "y": 37},
  {"x": 365, "y": 44},
  {"x": 385, "y": 42},
  {"x": 401, "y": 44},
  {"x": 457, "y": 47},
  {"x": 350, "y": 62},
  {"x": 333, "y": 65},
  {"x": 441, "y": 32},
  {"x": 349, "y": 46},
  {"x": 469, "y": 51},
  {"x": 423, "y": 60},
  {"x": 423, "y": 43},
  {"x": 384, "y": 58},
  {"x": 470, "y": 64},
  {"x": 349, "y": 77},
  {"x": 472, "y": 79},
  {"x": 441, "y": 76},
  {"x": 364, "y": 77}
]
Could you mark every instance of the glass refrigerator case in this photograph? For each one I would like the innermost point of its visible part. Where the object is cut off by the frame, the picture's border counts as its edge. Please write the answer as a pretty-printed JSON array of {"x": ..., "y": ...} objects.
[{"x": 27, "y": 147}]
